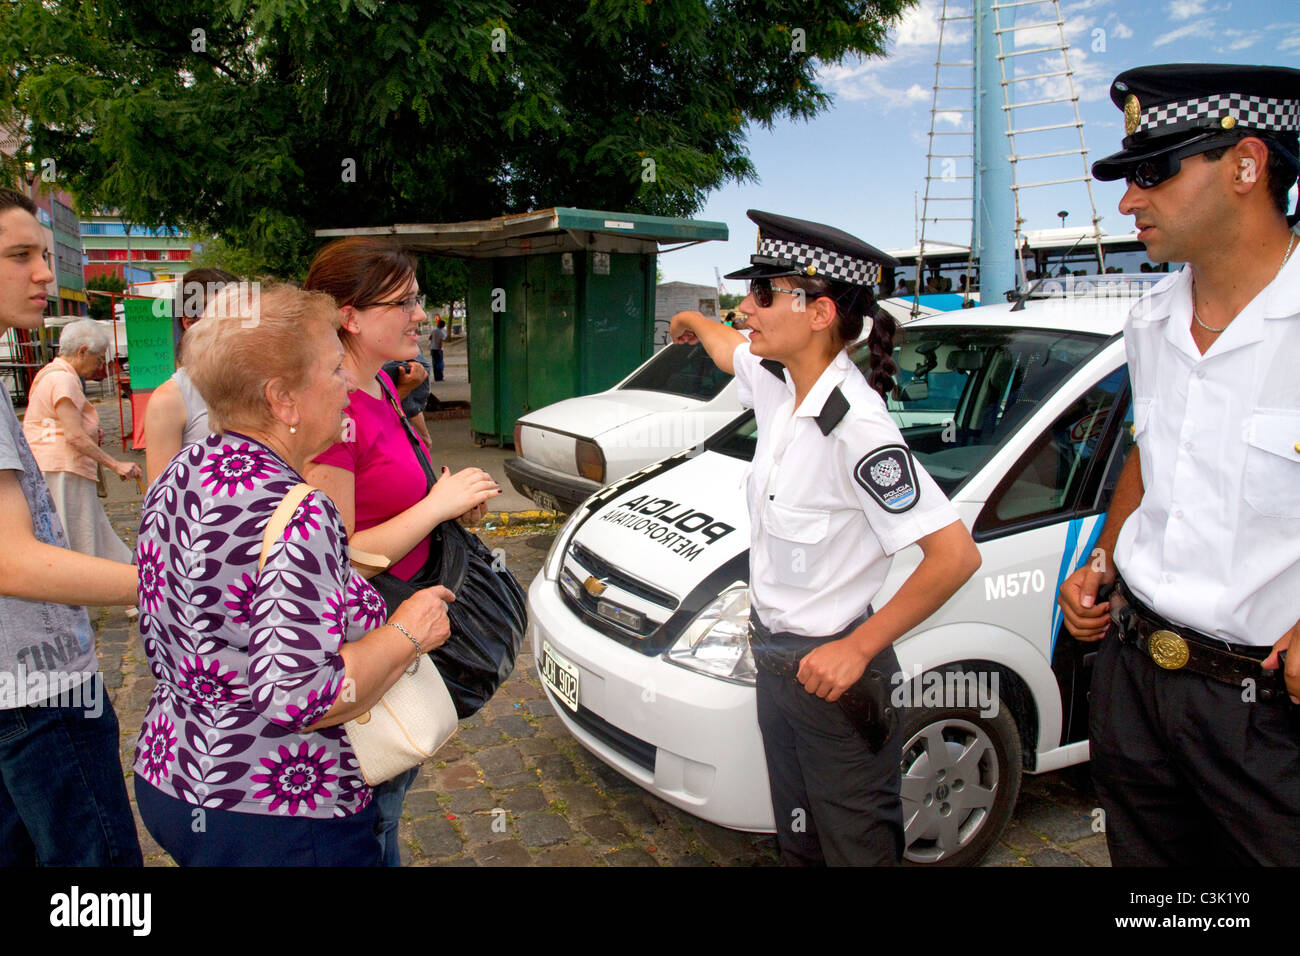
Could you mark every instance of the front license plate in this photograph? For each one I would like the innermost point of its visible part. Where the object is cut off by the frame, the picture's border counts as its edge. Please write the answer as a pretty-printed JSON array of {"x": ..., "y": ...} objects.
[{"x": 560, "y": 676}]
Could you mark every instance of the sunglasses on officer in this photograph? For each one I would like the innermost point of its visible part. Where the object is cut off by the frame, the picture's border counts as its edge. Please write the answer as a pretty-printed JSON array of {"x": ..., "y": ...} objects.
[
  {"x": 1148, "y": 173},
  {"x": 762, "y": 290}
]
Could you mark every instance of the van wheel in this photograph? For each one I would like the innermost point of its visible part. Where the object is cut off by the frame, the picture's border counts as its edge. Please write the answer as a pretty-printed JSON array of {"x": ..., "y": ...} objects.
[{"x": 961, "y": 776}]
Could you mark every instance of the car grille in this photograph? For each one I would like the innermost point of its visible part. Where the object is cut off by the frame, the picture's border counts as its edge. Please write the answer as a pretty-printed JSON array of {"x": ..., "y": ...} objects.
[
  {"x": 611, "y": 612},
  {"x": 612, "y": 575}
]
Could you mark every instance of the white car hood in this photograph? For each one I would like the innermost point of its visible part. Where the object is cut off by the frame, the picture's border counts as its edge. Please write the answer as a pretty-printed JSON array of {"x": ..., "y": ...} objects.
[
  {"x": 675, "y": 528},
  {"x": 590, "y": 416}
]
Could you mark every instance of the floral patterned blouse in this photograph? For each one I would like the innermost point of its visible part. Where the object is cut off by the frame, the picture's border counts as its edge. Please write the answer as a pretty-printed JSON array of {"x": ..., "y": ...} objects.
[{"x": 245, "y": 660}]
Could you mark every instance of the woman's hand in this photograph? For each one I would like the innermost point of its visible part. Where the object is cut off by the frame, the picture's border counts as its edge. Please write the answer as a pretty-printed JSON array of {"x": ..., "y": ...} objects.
[
  {"x": 831, "y": 669},
  {"x": 464, "y": 491},
  {"x": 126, "y": 469},
  {"x": 472, "y": 517},
  {"x": 424, "y": 614},
  {"x": 681, "y": 329}
]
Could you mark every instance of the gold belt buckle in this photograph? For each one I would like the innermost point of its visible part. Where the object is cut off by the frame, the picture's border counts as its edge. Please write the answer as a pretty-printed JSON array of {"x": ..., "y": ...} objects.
[{"x": 1168, "y": 649}]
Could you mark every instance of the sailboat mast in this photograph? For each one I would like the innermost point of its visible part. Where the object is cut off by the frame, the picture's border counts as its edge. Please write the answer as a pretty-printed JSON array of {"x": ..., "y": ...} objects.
[{"x": 994, "y": 221}]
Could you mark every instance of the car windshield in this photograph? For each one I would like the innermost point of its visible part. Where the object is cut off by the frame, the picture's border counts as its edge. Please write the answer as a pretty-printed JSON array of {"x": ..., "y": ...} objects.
[
  {"x": 962, "y": 391},
  {"x": 680, "y": 370}
]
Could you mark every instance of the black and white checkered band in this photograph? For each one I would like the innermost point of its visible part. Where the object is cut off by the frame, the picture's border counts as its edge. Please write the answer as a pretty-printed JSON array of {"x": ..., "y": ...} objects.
[
  {"x": 1281, "y": 116},
  {"x": 831, "y": 265}
]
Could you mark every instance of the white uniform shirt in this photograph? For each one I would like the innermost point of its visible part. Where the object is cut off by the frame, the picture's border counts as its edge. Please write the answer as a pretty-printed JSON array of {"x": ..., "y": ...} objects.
[
  {"x": 1215, "y": 543},
  {"x": 827, "y": 511}
]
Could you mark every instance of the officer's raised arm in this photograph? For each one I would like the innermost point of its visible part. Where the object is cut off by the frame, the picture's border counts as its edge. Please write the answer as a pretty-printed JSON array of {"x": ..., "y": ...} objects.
[{"x": 720, "y": 341}]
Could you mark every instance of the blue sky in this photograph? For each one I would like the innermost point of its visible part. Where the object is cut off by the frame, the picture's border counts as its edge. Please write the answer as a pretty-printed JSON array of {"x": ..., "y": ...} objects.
[{"x": 860, "y": 164}]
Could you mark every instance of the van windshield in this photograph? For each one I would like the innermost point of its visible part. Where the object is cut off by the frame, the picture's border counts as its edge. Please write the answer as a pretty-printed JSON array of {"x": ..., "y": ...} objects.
[
  {"x": 963, "y": 390},
  {"x": 680, "y": 370}
]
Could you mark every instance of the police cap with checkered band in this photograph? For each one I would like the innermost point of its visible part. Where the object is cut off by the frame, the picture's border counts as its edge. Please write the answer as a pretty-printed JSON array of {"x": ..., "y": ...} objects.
[
  {"x": 1167, "y": 106},
  {"x": 796, "y": 247}
]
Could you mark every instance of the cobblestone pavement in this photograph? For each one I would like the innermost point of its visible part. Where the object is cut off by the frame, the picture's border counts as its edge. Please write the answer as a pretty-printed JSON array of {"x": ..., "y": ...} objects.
[{"x": 513, "y": 788}]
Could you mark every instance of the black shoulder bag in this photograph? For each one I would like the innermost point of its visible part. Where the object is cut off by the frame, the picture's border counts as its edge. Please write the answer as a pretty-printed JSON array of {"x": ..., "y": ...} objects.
[{"x": 488, "y": 617}]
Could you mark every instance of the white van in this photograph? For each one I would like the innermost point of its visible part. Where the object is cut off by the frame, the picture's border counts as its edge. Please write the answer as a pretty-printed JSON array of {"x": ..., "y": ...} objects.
[{"x": 639, "y": 617}]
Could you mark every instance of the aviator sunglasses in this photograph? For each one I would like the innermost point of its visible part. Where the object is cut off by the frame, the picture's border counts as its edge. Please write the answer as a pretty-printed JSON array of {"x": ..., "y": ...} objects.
[{"x": 1151, "y": 172}]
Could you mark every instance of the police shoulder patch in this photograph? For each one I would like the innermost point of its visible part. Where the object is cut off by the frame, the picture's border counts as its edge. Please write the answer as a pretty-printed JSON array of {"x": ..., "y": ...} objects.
[{"x": 888, "y": 475}]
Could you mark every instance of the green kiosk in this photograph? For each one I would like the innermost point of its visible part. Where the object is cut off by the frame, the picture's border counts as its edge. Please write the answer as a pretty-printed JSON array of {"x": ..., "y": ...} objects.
[{"x": 561, "y": 301}]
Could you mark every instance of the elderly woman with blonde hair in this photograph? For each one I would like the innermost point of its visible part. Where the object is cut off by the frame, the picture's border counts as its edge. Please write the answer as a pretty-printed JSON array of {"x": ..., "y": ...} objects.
[
  {"x": 259, "y": 668},
  {"x": 62, "y": 427}
]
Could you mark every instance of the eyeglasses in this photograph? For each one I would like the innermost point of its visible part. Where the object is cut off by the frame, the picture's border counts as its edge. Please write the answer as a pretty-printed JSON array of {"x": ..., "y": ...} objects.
[
  {"x": 1149, "y": 173},
  {"x": 407, "y": 305},
  {"x": 762, "y": 290}
]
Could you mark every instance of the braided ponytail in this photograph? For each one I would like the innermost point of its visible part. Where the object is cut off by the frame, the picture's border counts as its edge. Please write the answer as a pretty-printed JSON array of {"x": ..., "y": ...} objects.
[{"x": 881, "y": 343}]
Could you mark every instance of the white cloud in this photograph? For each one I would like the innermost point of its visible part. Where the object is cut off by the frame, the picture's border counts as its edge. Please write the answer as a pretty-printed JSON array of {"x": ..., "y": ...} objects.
[
  {"x": 950, "y": 117},
  {"x": 1201, "y": 28},
  {"x": 1120, "y": 31},
  {"x": 1185, "y": 9},
  {"x": 861, "y": 81},
  {"x": 920, "y": 25}
]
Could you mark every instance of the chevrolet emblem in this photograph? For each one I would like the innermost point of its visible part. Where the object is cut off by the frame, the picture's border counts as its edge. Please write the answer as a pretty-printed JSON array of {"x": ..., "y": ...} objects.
[{"x": 594, "y": 586}]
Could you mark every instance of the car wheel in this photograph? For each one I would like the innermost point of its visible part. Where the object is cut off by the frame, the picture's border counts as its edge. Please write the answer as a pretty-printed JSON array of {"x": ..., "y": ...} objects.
[{"x": 961, "y": 776}]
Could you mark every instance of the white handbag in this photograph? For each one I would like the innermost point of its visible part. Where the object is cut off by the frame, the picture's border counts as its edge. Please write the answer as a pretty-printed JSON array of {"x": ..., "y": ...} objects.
[{"x": 415, "y": 716}]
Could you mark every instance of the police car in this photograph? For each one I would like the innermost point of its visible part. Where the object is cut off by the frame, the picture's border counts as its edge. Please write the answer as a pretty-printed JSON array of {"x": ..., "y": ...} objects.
[{"x": 639, "y": 616}]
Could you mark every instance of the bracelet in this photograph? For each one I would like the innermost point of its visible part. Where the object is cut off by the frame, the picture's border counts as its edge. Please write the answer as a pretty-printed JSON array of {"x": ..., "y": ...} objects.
[{"x": 418, "y": 649}]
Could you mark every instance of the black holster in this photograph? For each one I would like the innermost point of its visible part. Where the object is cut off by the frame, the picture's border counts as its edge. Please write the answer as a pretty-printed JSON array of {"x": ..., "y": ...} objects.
[{"x": 866, "y": 703}]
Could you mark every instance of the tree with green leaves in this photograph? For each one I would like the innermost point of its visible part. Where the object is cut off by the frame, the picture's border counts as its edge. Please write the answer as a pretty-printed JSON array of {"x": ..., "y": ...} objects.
[
  {"x": 101, "y": 306},
  {"x": 260, "y": 122}
]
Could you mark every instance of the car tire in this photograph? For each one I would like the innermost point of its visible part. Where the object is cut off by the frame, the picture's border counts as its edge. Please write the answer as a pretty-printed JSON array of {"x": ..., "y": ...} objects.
[{"x": 961, "y": 776}]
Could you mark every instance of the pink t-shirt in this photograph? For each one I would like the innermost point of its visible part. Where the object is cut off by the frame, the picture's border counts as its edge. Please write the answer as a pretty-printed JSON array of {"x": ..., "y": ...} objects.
[
  {"x": 387, "y": 474},
  {"x": 55, "y": 382}
]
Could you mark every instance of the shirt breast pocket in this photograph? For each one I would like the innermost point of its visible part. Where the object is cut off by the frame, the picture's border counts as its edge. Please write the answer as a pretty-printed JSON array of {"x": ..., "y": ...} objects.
[
  {"x": 798, "y": 544},
  {"x": 1272, "y": 481}
]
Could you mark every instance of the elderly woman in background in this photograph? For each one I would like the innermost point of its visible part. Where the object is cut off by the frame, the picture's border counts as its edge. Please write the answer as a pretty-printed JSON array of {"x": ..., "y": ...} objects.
[
  {"x": 374, "y": 475},
  {"x": 176, "y": 414},
  {"x": 258, "y": 670},
  {"x": 63, "y": 429}
]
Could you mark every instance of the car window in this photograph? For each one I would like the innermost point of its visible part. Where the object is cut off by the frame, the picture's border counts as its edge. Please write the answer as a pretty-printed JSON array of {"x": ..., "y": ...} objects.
[
  {"x": 680, "y": 370},
  {"x": 981, "y": 384},
  {"x": 1048, "y": 481}
]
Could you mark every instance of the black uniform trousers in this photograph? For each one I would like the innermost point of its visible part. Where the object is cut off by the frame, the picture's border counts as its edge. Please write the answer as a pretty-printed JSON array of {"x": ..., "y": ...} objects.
[
  {"x": 835, "y": 802},
  {"x": 1188, "y": 771}
]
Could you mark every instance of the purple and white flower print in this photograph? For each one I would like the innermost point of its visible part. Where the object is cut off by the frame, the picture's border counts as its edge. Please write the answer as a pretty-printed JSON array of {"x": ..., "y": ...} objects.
[
  {"x": 150, "y": 567},
  {"x": 244, "y": 659},
  {"x": 295, "y": 777},
  {"x": 368, "y": 608},
  {"x": 156, "y": 749},
  {"x": 205, "y": 682},
  {"x": 233, "y": 469}
]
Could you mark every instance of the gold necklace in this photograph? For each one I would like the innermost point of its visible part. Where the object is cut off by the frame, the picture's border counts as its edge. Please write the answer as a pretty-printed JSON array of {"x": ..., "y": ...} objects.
[{"x": 1290, "y": 248}]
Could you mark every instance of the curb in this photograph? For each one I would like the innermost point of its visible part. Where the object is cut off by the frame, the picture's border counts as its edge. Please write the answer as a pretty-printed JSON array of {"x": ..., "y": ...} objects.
[{"x": 515, "y": 519}]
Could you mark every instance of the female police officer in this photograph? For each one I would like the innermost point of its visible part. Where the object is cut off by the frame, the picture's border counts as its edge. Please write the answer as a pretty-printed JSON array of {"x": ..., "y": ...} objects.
[{"x": 833, "y": 492}]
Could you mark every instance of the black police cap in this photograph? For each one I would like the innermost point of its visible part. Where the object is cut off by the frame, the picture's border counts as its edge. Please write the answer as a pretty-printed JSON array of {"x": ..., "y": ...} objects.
[
  {"x": 797, "y": 247},
  {"x": 1166, "y": 106}
]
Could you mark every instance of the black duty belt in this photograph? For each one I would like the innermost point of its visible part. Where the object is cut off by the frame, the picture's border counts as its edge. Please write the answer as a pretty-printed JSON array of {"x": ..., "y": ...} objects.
[
  {"x": 1176, "y": 648},
  {"x": 866, "y": 703}
]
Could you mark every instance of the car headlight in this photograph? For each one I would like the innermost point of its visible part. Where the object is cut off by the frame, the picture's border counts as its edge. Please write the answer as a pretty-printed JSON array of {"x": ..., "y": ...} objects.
[
  {"x": 716, "y": 642},
  {"x": 551, "y": 566}
]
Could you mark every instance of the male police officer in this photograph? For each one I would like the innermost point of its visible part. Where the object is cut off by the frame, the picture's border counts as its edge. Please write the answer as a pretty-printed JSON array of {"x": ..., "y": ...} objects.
[{"x": 1193, "y": 728}]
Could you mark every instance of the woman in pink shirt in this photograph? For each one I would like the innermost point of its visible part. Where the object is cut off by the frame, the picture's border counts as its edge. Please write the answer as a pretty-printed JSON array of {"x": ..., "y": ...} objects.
[
  {"x": 62, "y": 428},
  {"x": 373, "y": 475}
]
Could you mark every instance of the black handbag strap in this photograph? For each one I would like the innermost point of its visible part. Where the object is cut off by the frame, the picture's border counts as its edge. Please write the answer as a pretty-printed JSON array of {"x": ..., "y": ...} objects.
[
  {"x": 454, "y": 557},
  {"x": 430, "y": 473}
]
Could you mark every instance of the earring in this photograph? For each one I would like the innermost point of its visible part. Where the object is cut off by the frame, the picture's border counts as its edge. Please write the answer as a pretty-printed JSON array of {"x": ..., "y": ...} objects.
[{"x": 293, "y": 430}]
